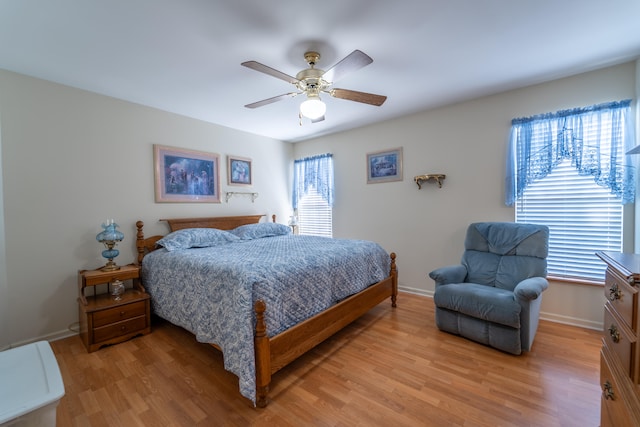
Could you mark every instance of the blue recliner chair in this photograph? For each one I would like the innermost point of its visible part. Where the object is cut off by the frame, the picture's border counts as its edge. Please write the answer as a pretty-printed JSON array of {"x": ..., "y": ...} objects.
[{"x": 494, "y": 295}]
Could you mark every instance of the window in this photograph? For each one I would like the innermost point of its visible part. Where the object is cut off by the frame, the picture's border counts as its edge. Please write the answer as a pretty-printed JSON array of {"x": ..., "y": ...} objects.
[
  {"x": 313, "y": 194},
  {"x": 568, "y": 170},
  {"x": 314, "y": 215},
  {"x": 583, "y": 218}
]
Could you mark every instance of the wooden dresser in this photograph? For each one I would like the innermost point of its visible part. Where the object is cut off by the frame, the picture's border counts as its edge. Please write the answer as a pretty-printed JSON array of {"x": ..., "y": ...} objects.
[{"x": 620, "y": 354}]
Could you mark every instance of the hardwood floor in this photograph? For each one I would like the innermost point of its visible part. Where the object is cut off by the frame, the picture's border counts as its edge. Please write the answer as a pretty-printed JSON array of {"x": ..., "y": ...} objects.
[{"x": 392, "y": 367}]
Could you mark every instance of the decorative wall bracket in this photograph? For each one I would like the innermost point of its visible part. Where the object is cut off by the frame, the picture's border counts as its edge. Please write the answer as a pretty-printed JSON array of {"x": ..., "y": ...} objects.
[
  {"x": 436, "y": 177},
  {"x": 230, "y": 194}
]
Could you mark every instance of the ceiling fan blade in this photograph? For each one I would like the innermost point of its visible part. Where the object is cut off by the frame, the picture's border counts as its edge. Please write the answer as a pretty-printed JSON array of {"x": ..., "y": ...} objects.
[
  {"x": 270, "y": 71},
  {"x": 352, "y": 62},
  {"x": 271, "y": 100},
  {"x": 352, "y": 95}
]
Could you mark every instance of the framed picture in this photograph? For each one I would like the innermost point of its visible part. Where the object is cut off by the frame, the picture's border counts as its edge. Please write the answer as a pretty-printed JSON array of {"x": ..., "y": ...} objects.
[
  {"x": 384, "y": 166},
  {"x": 239, "y": 171},
  {"x": 186, "y": 175}
]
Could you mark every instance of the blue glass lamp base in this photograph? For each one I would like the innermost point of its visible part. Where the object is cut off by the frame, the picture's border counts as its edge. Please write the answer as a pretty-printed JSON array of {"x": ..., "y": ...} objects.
[{"x": 110, "y": 254}]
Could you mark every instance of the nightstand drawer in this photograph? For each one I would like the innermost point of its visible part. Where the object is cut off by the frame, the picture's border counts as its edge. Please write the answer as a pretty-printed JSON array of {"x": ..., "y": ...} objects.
[
  {"x": 622, "y": 296},
  {"x": 117, "y": 314},
  {"x": 619, "y": 341},
  {"x": 118, "y": 329}
]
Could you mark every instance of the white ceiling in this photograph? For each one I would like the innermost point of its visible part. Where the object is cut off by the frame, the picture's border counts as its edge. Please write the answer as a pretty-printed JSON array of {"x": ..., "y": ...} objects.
[{"x": 184, "y": 56}]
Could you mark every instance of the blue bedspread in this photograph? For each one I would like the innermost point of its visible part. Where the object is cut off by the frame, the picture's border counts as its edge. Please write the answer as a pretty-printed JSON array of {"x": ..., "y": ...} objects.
[{"x": 211, "y": 291}]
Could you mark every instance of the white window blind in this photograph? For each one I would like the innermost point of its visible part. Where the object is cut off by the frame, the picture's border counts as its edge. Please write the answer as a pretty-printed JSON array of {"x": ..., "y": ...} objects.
[
  {"x": 582, "y": 217},
  {"x": 314, "y": 215}
]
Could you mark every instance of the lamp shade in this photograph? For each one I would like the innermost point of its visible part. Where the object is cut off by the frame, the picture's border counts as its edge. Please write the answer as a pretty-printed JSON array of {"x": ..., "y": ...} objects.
[
  {"x": 313, "y": 108},
  {"x": 110, "y": 237},
  {"x": 109, "y": 234}
]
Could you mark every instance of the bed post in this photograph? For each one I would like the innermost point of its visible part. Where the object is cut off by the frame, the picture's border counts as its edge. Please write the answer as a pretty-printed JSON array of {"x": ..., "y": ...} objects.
[
  {"x": 139, "y": 239},
  {"x": 394, "y": 280},
  {"x": 263, "y": 356}
]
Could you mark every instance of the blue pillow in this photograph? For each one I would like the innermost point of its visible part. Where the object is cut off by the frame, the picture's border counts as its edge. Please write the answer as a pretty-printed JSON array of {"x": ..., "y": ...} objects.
[
  {"x": 262, "y": 229},
  {"x": 196, "y": 238}
]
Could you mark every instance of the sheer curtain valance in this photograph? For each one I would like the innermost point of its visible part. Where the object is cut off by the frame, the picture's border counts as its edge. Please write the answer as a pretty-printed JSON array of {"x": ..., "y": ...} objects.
[
  {"x": 595, "y": 140},
  {"x": 316, "y": 171}
]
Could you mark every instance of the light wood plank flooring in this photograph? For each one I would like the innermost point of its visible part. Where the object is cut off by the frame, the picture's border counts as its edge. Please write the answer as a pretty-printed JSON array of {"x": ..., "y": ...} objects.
[{"x": 392, "y": 367}]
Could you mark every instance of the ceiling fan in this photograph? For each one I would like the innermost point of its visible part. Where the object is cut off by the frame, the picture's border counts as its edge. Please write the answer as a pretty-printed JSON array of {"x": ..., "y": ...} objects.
[{"x": 313, "y": 81}]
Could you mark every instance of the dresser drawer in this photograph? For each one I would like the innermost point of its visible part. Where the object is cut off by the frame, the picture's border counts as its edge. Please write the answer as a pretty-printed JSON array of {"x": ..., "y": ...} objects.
[
  {"x": 622, "y": 297},
  {"x": 614, "y": 409},
  {"x": 119, "y": 329},
  {"x": 618, "y": 340},
  {"x": 117, "y": 314}
]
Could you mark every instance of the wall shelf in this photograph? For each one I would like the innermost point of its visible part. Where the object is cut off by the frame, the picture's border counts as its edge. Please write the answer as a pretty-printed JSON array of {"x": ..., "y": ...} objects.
[
  {"x": 230, "y": 194},
  {"x": 436, "y": 177}
]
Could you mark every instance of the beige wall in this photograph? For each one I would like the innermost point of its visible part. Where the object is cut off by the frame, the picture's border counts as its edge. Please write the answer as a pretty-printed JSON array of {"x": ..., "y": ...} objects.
[
  {"x": 467, "y": 142},
  {"x": 71, "y": 159}
]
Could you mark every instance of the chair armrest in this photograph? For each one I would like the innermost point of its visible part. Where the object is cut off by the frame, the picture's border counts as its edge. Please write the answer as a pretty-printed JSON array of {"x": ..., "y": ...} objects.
[
  {"x": 449, "y": 274},
  {"x": 531, "y": 288}
]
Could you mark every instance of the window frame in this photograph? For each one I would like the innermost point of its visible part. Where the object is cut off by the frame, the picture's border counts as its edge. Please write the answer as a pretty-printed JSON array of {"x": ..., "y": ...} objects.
[{"x": 595, "y": 140}]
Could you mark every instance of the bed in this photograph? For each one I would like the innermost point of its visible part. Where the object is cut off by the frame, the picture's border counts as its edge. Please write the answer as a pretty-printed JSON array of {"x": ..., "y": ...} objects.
[{"x": 225, "y": 293}]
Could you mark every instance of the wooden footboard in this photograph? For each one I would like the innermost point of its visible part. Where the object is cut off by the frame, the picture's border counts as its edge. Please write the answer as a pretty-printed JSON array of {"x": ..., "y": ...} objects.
[{"x": 272, "y": 354}]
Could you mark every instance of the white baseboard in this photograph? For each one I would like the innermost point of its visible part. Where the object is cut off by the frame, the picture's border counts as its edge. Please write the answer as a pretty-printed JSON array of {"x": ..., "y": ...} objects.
[
  {"x": 551, "y": 317},
  {"x": 54, "y": 336},
  {"x": 416, "y": 291},
  {"x": 572, "y": 321}
]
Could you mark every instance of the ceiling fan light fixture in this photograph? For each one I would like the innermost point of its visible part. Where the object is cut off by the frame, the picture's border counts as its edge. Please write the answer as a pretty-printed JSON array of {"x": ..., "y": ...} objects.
[
  {"x": 313, "y": 108},
  {"x": 313, "y": 81}
]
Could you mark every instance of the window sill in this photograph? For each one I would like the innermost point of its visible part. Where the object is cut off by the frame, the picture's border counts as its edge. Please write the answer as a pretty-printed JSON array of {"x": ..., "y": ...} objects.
[{"x": 576, "y": 280}]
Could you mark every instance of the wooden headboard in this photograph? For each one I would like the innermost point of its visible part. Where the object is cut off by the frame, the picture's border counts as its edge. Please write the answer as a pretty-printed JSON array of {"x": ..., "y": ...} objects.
[
  {"x": 221, "y": 222},
  {"x": 146, "y": 245}
]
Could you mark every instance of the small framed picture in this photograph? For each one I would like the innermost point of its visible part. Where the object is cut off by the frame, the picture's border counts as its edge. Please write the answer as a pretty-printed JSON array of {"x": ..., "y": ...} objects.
[
  {"x": 186, "y": 175},
  {"x": 384, "y": 166},
  {"x": 239, "y": 171}
]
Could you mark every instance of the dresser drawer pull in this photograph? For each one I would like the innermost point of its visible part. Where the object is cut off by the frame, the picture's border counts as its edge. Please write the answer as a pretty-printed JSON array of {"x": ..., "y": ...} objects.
[
  {"x": 607, "y": 391},
  {"x": 615, "y": 292},
  {"x": 122, "y": 313},
  {"x": 615, "y": 334}
]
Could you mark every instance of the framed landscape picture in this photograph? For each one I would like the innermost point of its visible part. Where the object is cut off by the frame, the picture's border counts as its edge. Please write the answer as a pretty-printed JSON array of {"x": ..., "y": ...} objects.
[
  {"x": 183, "y": 175},
  {"x": 384, "y": 166},
  {"x": 239, "y": 171}
]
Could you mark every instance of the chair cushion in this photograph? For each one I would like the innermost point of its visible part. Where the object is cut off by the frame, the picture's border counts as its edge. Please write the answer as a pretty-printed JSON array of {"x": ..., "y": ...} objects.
[
  {"x": 480, "y": 301},
  {"x": 502, "y": 254},
  {"x": 508, "y": 238},
  {"x": 501, "y": 271}
]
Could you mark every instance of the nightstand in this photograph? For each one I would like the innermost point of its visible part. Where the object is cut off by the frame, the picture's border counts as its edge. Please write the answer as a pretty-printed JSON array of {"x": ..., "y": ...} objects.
[{"x": 104, "y": 320}]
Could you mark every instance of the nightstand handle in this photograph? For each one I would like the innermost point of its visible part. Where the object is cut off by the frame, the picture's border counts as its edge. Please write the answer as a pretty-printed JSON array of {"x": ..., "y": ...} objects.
[
  {"x": 615, "y": 335},
  {"x": 607, "y": 390},
  {"x": 615, "y": 292}
]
